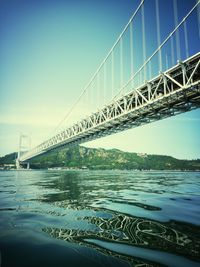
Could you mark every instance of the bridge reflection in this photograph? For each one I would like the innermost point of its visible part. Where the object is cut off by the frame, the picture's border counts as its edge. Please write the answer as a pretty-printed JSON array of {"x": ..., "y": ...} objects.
[{"x": 121, "y": 229}]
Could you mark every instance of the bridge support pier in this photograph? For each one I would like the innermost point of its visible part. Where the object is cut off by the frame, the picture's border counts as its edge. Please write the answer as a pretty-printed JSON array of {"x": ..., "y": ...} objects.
[
  {"x": 28, "y": 165},
  {"x": 24, "y": 146},
  {"x": 19, "y": 165}
]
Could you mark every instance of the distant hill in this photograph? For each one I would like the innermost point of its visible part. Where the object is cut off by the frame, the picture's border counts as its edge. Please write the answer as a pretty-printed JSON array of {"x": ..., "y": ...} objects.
[
  {"x": 82, "y": 157},
  {"x": 8, "y": 159}
]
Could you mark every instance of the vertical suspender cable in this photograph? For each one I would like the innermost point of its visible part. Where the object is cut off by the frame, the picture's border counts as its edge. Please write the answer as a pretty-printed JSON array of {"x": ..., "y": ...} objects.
[
  {"x": 158, "y": 35},
  {"x": 198, "y": 16},
  {"x": 186, "y": 39},
  {"x": 172, "y": 51},
  {"x": 112, "y": 74},
  {"x": 89, "y": 99},
  {"x": 131, "y": 47},
  {"x": 92, "y": 86},
  {"x": 166, "y": 59},
  {"x": 121, "y": 62},
  {"x": 143, "y": 41},
  {"x": 98, "y": 90},
  {"x": 104, "y": 84},
  {"x": 150, "y": 71},
  {"x": 178, "y": 54}
]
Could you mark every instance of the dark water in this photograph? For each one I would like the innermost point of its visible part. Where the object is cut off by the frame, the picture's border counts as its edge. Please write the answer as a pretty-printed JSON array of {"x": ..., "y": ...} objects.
[{"x": 99, "y": 218}]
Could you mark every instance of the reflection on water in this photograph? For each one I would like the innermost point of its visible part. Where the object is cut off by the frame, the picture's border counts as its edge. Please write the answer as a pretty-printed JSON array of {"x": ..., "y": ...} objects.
[
  {"x": 124, "y": 229},
  {"x": 136, "y": 218}
]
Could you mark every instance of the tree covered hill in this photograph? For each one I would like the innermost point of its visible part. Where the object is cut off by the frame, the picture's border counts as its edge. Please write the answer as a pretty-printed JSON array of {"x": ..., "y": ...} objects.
[{"x": 82, "y": 157}]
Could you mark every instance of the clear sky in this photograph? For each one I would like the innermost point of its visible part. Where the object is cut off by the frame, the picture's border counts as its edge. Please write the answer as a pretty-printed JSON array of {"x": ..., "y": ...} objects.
[{"x": 49, "y": 50}]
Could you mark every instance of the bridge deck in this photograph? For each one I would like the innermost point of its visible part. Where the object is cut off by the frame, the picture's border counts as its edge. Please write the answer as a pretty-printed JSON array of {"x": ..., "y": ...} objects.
[{"x": 172, "y": 92}]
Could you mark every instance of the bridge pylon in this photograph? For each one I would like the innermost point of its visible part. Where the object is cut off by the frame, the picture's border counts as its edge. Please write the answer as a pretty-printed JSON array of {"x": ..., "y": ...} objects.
[{"x": 24, "y": 146}]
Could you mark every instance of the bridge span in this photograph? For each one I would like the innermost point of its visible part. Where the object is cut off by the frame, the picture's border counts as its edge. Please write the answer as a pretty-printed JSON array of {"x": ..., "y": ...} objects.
[
  {"x": 151, "y": 73},
  {"x": 172, "y": 92}
]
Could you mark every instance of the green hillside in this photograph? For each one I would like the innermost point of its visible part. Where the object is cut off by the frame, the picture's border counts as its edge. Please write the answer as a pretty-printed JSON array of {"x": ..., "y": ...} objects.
[
  {"x": 82, "y": 157},
  {"x": 8, "y": 159}
]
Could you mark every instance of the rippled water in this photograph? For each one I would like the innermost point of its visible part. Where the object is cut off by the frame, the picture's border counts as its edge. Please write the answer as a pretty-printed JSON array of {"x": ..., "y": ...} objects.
[{"x": 99, "y": 218}]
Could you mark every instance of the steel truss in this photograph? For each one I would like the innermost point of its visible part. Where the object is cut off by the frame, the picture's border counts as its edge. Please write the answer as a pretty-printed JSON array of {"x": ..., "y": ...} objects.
[{"x": 172, "y": 92}]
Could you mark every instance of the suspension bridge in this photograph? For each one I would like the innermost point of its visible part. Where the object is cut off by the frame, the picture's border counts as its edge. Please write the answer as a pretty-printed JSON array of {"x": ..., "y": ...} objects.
[{"x": 152, "y": 72}]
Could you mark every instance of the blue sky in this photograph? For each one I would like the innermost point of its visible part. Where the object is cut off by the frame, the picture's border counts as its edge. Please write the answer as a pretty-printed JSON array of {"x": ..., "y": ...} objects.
[{"x": 48, "y": 52}]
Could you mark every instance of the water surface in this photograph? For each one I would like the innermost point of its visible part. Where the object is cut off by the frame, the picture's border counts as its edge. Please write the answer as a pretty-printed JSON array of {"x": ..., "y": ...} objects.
[{"x": 99, "y": 218}]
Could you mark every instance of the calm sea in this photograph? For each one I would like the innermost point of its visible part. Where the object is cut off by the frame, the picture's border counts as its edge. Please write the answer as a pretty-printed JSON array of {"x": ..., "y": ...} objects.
[{"x": 99, "y": 218}]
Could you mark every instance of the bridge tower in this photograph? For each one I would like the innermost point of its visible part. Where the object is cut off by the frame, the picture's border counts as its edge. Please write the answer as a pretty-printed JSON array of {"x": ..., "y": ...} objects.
[{"x": 24, "y": 146}]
